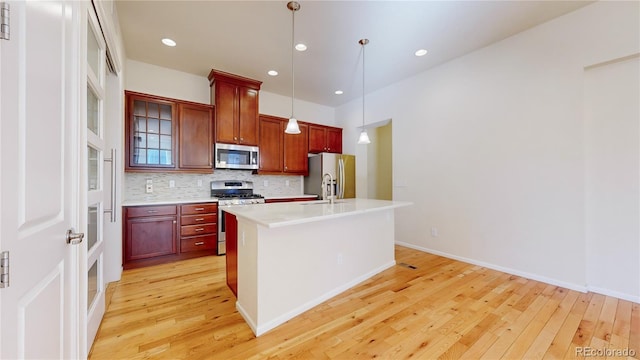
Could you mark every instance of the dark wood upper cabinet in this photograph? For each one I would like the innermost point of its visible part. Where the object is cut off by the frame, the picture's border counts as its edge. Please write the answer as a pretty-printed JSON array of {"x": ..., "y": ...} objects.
[
  {"x": 164, "y": 134},
  {"x": 150, "y": 127},
  {"x": 236, "y": 100},
  {"x": 195, "y": 136},
  {"x": 296, "y": 148},
  {"x": 282, "y": 153},
  {"x": 324, "y": 139},
  {"x": 271, "y": 138},
  {"x": 334, "y": 140}
]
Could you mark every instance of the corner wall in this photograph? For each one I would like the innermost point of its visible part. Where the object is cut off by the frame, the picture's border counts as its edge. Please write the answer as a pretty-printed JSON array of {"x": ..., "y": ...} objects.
[{"x": 490, "y": 149}]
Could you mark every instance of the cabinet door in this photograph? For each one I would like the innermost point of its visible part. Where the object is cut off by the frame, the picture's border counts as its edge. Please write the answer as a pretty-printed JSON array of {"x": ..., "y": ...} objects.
[
  {"x": 149, "y": 132},
  {"x": 317, "y": 139},
  {"x": 195, "y": 137},
  {"x": 226, "y": 112},
  {"x": 149, "y": 237},
  {"x": 296, "y": 148},
  {"x": 271, "y": 136},
  {"x": 248, "y": 116},
  {"x": 334, "y": 140},
  {"x": 232, "y": 251}
]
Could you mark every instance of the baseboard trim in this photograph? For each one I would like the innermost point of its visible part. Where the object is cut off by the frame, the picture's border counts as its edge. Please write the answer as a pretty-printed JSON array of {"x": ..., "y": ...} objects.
[
  {"x": 527, "y": 275},
  {"x": 259, "y": 330}
]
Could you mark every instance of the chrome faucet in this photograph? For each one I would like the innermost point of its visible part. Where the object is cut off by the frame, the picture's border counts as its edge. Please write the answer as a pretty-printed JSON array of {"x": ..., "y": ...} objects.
[{"x": 324, "y": 187}]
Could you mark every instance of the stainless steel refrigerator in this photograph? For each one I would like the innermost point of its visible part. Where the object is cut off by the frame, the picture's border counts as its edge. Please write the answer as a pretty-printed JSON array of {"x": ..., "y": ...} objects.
[{"x": 342, "y": 169}]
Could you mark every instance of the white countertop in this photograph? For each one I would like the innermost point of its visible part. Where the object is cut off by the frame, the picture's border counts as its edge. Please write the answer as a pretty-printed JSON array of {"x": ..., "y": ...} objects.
[
  {"x": 168, "y": 201},
  {"x": 293, "y": 213},
  {"x": 267, "y": 197},
  {"x": 201, "y": 200}
]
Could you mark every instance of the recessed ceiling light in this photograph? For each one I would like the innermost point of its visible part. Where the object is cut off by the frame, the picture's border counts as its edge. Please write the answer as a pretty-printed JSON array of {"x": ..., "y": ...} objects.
[
  {"x": 301, "y": 47},
  {"x": 272, "y": 73},
  {"x": 421, "y": 52},
  {"x": 339, "y": 92},
  {"x": 168, "y": 42}
]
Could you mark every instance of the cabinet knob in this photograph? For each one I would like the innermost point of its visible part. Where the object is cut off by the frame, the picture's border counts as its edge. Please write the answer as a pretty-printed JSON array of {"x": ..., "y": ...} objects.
[
  {"x": 199, "y": 243},
  {"x": 175, "y": 222},
  {"x": 241, "y": 139},
  {"x": 200, "y": 219},
  {"x": 199, "y": 229},
  {"x": 199, "y": 209},
  {"x": 235, "y": 138}
]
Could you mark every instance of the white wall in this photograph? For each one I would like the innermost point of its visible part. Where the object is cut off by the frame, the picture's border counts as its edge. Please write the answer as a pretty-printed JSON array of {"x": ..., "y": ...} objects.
[
  {"x": 490, "y": 148},
  {"x": 278, "y": 105},
  {"x": 156, "y": 80},
  {"x": 612, "y": 196}
]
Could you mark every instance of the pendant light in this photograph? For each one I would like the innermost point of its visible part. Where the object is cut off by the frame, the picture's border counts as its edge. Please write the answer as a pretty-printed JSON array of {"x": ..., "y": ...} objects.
[
  {"x": 292, "y": 125},
  {"x": 364, "y": 137}
]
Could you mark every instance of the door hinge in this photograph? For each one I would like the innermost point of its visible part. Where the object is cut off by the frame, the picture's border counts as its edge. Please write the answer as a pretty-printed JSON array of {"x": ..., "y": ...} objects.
[
  {"x": 4, "y": 20},
  {"x": 4, "y": 269}
]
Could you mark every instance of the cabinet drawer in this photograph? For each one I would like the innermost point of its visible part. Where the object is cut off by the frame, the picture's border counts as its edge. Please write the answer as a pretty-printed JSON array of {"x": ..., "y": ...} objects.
[
  {"x": 193, "y": 209},
  {"x": 198, "y": 243},
  {"x": 191, "y": 230},
  {"x": 199, "y": 219},
  {"x": 138, "y": 211}
]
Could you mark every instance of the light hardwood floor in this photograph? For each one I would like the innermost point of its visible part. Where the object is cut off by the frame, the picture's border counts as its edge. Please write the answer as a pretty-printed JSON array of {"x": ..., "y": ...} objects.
[{"x": 443, "y": 309}]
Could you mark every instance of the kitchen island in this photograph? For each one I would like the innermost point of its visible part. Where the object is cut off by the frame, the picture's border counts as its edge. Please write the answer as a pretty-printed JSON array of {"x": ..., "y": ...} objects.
[{"x": 293, "y": 256}]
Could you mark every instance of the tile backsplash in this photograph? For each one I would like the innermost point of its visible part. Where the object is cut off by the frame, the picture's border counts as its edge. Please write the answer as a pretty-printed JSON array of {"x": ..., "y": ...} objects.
[{"x": 195, "y": 186}]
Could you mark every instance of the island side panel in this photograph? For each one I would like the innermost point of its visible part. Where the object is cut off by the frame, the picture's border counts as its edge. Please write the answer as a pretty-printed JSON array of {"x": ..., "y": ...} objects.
[
  {"x": 247, "y": 272},
  {"x": 300, "y": 266}
]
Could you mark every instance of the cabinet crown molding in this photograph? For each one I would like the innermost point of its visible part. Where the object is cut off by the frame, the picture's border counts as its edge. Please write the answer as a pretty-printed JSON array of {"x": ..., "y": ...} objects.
[{"x": 233, "y": 78}]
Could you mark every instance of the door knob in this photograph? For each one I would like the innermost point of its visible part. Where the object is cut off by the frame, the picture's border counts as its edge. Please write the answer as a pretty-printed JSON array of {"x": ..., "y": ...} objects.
[{"x": 74, "y": 238}]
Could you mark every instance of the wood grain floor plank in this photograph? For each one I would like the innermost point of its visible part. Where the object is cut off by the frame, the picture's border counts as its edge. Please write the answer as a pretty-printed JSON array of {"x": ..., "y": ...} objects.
[{"x": 442, "y": 309}]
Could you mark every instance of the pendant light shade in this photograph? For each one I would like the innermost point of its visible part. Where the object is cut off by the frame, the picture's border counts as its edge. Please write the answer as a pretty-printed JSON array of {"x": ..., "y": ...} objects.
[
  {"x": 292, "y": 125},
  {"x": 364, "y": 137}
]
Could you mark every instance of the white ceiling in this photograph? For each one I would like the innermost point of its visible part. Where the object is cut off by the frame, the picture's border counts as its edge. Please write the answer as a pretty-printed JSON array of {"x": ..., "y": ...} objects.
[{"x": 249, "y": 38}]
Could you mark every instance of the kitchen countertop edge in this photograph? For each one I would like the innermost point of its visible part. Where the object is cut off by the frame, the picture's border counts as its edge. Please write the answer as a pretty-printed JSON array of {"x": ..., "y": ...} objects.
[
  {"x": 168, "y": 201},
  {"x": 287, "y": 214},
  {"x": 276, "y": 197}
]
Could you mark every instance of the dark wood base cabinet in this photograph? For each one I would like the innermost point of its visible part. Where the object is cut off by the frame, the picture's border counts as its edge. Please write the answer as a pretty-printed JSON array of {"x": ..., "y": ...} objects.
[
  {"x": 231, "y": 228},
  {"x": 151, "y": 233}
]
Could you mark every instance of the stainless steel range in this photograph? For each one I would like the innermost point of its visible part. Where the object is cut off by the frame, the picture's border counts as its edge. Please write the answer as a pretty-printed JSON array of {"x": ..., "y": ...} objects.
[{"x": 231, "y": 192}]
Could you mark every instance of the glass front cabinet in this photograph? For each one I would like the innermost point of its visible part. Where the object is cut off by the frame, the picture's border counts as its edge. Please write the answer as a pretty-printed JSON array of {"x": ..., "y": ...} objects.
[
  {"x": 151, "y": 128},
  {"x": 164, "y": 134}
]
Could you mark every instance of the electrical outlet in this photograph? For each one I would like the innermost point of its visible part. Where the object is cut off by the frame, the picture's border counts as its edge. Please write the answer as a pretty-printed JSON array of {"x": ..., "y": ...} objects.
[
  {"x": 434, "y": 232},
  {"x": 149, "y": 186},
  {"x": 340, "y": 258},
  {"x": 172, "y": 183},
  {"x": 265, "y": 183},
  {"x": 286, "y": 183},
  {"x": 199, "y": 182}
]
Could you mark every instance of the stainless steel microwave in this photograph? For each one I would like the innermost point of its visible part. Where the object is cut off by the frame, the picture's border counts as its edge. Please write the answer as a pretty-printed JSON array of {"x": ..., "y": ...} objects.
[{"x": 230, "y": 156}]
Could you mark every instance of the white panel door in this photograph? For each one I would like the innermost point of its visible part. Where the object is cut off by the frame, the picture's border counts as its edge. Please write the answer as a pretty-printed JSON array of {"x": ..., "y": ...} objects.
[
  {"x": 40, "y": 157},
  {"x": 93, "y": 263}
]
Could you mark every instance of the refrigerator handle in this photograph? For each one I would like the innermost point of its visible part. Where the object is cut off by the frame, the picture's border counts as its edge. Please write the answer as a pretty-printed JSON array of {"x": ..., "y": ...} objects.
[
  {"x": 344, "y": 177},
  {"x": 341, "y": 166},
  {"x": 339, "y": 179}
]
